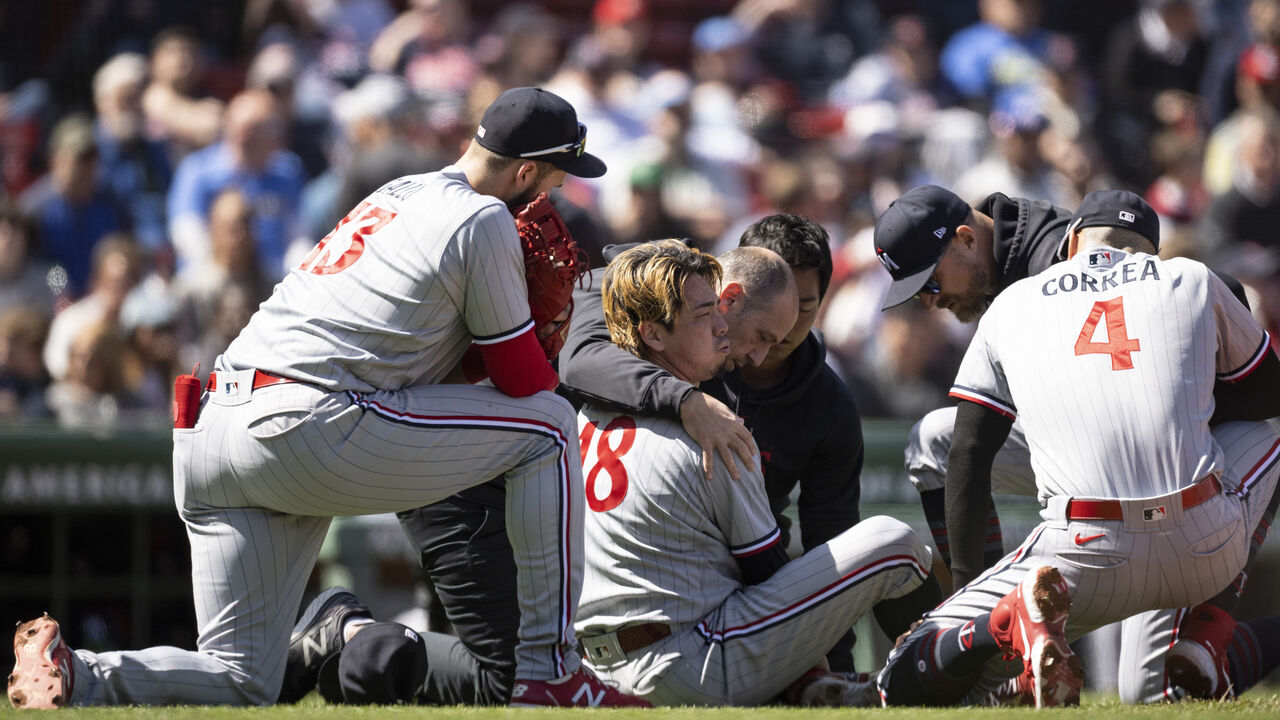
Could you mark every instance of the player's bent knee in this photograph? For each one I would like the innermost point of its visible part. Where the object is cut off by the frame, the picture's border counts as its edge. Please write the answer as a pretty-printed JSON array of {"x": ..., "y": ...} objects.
[
  {"x": 560, "y": 412},
  {"x": 927, "y": 446},
  {"x": 255, "y": 691},
  {"x": 897, "y": 537}
]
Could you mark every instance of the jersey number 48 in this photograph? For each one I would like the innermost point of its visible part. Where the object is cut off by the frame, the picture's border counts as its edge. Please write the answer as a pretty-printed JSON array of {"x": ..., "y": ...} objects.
[{"x": 606, "y": 477}]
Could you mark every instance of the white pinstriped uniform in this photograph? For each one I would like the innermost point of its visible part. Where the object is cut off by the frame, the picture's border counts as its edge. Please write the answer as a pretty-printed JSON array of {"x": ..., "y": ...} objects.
[
  {"x": 369, "y": 321},
  {"x": 661, "y": 547},
  {"x": 1099, "y": 429},
  {"x": 1145, "y": 637}
]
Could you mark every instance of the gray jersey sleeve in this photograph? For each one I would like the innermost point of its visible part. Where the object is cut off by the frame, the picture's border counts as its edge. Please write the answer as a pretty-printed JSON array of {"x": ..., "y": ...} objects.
[
  {"x": 1242, "y": 343},
  {"x": 495, "y": 297},
  {"x": 741, "y": 510},
  {"x": 980, "y": 378}
]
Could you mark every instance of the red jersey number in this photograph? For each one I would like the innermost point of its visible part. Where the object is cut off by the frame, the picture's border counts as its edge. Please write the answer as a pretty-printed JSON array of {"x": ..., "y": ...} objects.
[
  {"x": 1118, "y": 345},
  {"x": 345, "y": 243},
  {"x": 608, "y": 462}
]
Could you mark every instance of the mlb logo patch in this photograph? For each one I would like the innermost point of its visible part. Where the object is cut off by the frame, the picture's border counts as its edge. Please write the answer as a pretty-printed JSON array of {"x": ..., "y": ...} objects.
[
  {"x": 231, "y": 388},
  {"x": 1099, "y": 258},
  {"x": 1152, "y": 514},
  {"x": 1127, "y": 216}
]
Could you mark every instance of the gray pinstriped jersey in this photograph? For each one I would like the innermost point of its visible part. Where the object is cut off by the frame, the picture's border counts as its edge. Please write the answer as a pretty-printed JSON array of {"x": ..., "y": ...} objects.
[
  {"x": 1084, "y": 354},
  {"x": 660, "y": 539},
  {"x": 395, "y": 294}
]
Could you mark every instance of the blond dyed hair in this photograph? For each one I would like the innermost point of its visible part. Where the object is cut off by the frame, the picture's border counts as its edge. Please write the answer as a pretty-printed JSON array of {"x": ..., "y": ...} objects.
[{"x": 647, "y": 283}]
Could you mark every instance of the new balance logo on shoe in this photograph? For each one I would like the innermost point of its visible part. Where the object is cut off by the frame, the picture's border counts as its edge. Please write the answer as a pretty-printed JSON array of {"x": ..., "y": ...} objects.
[
  {"x": 314, "y": 649},
  {"x": 581, "y": 688},
  {"x": 316, "y": 637},
  {"x": 591, "y": 700}
]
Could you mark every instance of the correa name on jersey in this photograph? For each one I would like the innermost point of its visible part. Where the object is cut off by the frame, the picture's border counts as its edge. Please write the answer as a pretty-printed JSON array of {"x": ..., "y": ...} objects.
[{"x": 1086, "y": 282}]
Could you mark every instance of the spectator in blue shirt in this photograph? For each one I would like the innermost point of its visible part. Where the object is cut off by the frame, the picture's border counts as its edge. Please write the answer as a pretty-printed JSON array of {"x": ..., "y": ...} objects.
[
  {"x": 252, "y": 158},
  {"x": 1007, "y": 48},
  {"x": 136, "y": 168},
  {"x": 72, "y": 209}
]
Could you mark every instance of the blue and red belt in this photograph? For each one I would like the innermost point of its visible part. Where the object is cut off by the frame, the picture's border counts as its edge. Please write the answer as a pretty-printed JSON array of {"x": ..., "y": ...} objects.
[{"x": 1191, "y": 496}]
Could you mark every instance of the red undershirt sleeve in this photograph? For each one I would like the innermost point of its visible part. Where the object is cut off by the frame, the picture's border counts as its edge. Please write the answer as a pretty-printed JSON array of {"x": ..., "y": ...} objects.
[{"x": 518, "y": 366}]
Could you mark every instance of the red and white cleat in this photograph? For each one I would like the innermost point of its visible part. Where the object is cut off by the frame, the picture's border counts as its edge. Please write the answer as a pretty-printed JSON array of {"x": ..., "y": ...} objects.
[
  {"x": 580, "y": 688},
  {"x": 42, "y": 670},
  {"x": 1197, "y": 661},
  {"x": 1030, "y": 622}
]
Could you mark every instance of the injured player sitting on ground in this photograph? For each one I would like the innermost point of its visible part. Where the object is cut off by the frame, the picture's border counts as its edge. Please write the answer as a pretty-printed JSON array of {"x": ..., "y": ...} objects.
[{"x": 688, "y": 597}]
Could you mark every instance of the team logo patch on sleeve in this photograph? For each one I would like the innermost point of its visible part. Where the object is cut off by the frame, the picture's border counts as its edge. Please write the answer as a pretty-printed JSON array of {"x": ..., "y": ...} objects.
[{"x": 1152, "y": 514}]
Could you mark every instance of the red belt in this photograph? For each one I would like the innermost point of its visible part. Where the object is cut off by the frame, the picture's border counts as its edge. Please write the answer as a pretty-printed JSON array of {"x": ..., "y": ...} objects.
[
  {"x": 260, "y": 380},
  {"x": 1191, "y": 496},
  {"x": 633, "y": 637}
]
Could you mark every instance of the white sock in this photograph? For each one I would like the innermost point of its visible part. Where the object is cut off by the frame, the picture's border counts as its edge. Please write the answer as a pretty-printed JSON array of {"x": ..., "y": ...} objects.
[{"x": 352, "y": 625}]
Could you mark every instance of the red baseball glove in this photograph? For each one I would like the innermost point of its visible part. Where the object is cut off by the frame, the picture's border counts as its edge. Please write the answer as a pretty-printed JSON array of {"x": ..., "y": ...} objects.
[{"x": 552, "y": 266}]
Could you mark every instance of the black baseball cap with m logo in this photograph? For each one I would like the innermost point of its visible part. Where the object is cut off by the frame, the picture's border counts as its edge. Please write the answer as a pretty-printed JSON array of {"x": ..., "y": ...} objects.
[
  {"x": 911, "y": 235},
  {"x": 533, "y": 124}
]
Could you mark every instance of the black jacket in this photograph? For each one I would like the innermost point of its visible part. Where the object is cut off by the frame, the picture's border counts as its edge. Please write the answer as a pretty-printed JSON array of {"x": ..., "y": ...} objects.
[
  {"x": 1028, "y": 235},
  {"x": 809, "y": 434}
]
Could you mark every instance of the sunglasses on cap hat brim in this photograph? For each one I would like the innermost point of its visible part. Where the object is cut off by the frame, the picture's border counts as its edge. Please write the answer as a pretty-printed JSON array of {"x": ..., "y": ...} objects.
[
  {"x": 576, "y": 147},
  {"x": 931, "y": 286}
]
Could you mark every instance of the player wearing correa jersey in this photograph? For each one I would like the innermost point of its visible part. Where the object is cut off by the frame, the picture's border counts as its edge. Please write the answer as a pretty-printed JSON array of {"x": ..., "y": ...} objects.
[
  {"x": 1108, "y": 360},
  {"x": 330, "y": 402},
  {"x": 688, "y": 597},
  {"x": 956, "y": 257}
]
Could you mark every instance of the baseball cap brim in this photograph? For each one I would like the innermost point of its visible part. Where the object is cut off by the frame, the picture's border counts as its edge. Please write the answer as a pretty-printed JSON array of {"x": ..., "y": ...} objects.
[
  {"x": 903, "y": 289},
  {"x": 585, "y": 165}
]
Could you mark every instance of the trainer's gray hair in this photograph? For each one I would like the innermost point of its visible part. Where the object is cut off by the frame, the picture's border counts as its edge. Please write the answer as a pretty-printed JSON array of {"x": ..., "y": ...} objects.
[{"x": 762, "y": 273}]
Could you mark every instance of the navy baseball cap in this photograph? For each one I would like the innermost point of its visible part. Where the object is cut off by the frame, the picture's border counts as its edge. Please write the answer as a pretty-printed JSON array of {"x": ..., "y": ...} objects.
[
  {"x": 911, "y": 235},
  {"x": 382, "y": 664},
  {"x": 531, "y": 123},
  {"x": 1118, "y": 208}
]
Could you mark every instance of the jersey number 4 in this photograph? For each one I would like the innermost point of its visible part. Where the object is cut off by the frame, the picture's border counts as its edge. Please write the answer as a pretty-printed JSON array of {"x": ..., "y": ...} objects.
[
  {"x": 606, "y": 480},
  {"x": 345, "y": 243},
  {"x": 1118, "y": 345}
]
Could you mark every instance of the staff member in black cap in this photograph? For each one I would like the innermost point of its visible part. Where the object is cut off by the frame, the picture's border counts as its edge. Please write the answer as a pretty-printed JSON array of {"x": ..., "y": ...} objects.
[
  {"x": 953, "y": 256},
  {"x": 957, "y": 257}
]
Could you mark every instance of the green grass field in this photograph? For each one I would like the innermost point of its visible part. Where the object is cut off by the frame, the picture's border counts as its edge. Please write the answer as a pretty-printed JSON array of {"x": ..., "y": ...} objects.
[{"x": 1263, "y": 704}]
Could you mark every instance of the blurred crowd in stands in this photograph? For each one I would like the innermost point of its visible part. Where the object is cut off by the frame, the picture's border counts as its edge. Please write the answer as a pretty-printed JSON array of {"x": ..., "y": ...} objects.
[{"x": 163, "y": 163}]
